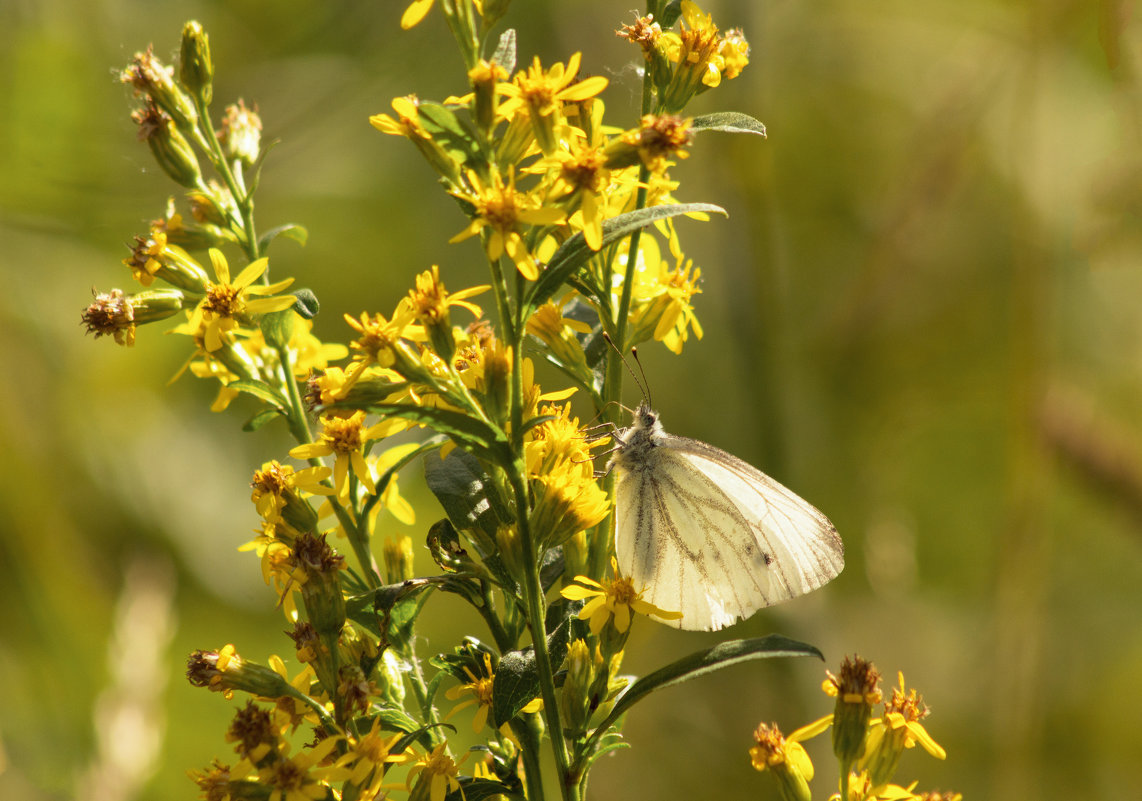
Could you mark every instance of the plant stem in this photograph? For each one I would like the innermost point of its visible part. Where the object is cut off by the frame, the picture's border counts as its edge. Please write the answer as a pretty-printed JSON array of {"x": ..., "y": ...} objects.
[{"x": 535, "y": 619}]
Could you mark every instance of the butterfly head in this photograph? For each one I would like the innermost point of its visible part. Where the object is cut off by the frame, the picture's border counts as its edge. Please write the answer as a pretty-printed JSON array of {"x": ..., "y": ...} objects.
[{"x": 646, "y": 418}]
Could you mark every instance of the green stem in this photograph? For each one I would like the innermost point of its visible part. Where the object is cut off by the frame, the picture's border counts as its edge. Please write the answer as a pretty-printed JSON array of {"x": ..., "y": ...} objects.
[
  {"x": 297, "y": 420},
  {"x": 233, "y": 182},
  {"x": 528, "y": 734},
  {"x": 535, "y": 619},
  {"x": 420, "y": 690}
]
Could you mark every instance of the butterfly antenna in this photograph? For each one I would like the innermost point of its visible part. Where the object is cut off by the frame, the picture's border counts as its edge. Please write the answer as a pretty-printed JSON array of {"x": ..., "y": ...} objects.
[
  {"x": 640, "y": 376},
  {"x": 643, "y": 384}
]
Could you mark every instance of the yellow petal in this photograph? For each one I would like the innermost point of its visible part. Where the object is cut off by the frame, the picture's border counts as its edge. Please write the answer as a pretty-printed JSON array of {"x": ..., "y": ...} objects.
[
  {"x": 413, "y": 15},
  {"x": 251, "y": 272}
]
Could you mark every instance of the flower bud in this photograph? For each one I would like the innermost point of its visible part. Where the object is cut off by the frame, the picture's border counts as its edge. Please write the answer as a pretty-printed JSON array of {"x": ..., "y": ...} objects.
[
  {"x": 225, "y": 671},
  {"x": 321, "y": 585},
  {"x": 170, "y": 148},
  {"x": 211, "y": 205},
  {"x": 153, "y": 257},
  {"x": 856, "y": 690},
  {"x": 241, "y": 133},
  {"x": 484, "y": 77},
  {"x": 574, "y": 700},
  {"x": 195, "y": 68},
  {"x": 785, "y": 760},
  {"x": 497, "y": 360},
  {"x": 150, "y": 76},
  {"x": 116, "y": 314}
]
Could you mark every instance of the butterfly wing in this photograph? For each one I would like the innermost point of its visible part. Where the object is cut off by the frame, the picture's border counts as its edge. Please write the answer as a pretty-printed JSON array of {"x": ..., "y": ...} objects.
[{"x": 713, "y": 537}]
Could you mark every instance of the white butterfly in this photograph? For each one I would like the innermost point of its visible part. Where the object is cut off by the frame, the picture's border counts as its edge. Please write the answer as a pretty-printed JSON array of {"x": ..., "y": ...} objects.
[{"x": 707, "y": 534}]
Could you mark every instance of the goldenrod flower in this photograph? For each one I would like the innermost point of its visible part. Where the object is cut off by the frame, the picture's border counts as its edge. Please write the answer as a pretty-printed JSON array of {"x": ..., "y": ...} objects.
[
  {"x": 567, "y": 500},
  {"x": 154, "y": 257},
  {"x": 391, "y": 498},
  {"x": 278, "y": 488},
  {"x": 303, "y": 777},
  {"x": 435, "y": 774},
  {"x": 613, "y": 601},
  {"x": 407, "y": 123},
  {"x": 344, "y": 438},
  {"x": 558, "y": 332},
  {"x": 506, "y": 213},
  {"x": 380, "y": 341},
  {"x": 369, "y": 757},
  {"x": 430, "y": 302},
  {"x": 658, "y": 138},
  {"x": 228, "y": 303},
  {"x": 785, "y": 758},
  {"x": 898, "y": 729},
  {"x": 557, "y": 441},
  {"x": 543, "y": 93}
]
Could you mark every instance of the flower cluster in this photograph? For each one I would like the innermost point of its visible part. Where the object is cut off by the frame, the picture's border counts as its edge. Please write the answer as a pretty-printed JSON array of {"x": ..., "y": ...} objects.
[
  {"x": 574, "y": 217},
  {"x": 867, "y": 747}
]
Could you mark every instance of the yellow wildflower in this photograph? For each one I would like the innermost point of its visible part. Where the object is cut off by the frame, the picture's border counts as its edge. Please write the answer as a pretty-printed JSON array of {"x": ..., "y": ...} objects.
[
  {"x": 612, "y": 601},
  {"x": 228, "y": 303},
  {"x": 505, "y": 213}
]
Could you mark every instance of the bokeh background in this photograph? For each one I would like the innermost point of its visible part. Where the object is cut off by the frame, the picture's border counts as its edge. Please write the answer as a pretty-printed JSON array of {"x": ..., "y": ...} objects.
[{"x": 922, "y": 314}]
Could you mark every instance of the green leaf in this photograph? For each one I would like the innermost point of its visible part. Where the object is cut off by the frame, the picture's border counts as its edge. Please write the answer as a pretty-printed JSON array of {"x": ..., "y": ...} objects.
[
  {"x": 394, "y": 719},
  {"x": 574, "y": 253},
  {"x": 480, "y": 789},
  {"x": 413, "y": 736},
  {"x": 277, "y": 327},
  {"x": 701, "y": 663},
  {"x": 481, "y": 438},
  {"x": 466, "y": 492},
  {"x": 728, "y": 121},
  {"x": 517, "y": 676},
  {"x": 448, "y": 130},
  {"x": 293, "y": 231},
  {"x": 306, "y": 304},
  {"x": 670, "y": 14},
  {"x": 389, "y": 611},
  {"x": 260, "y": 390},
  {"x": 612, "y": 741},
  {"x": 261, "y": 418}
]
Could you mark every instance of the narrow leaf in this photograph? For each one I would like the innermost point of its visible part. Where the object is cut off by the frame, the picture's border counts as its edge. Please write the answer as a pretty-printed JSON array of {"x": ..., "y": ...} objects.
[
  {"x": 474, "y": 435},
  {"x": 728, "y": 121},
  {"x": 701, "y": 663},
  {"x": 293, "y": 231},
  {"x": 260, "y": 390},
  {"x": 574, "y": 253},
  {"x": 260, "y": 419}
]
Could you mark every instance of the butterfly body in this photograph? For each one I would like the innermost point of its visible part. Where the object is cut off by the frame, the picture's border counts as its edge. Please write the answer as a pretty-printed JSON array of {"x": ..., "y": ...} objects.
[{"x": 704, "y": 533}]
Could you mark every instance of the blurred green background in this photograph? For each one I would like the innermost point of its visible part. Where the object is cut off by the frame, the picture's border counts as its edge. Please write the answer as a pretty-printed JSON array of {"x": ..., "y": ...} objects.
[{"x": 921, "y": 314}]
